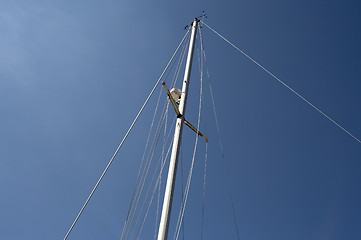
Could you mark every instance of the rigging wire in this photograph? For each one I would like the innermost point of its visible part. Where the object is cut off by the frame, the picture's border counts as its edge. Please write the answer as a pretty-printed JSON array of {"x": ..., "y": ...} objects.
[
  {"x": 163, "y": 159},
  {"x": 181, "y": 153},
  {"x": 124, "y": 138},
  {"x": 144, "y": 174},
  {"x": 206, "y": 152},
  {"x": 156, "y": 225},
  {"x": 220, "y": 143},
  {"x": 167, "y": 105},
  {"x": 138, "y": 194},
  {"x": 157, "y": 182},
  {"x": 284, "y": 84},
  {"x": 146, "y": 169},
  {"x": 160, "y": 180},
  {"x": 182, "y": 180},
  {"x": 180, "y": 217},
  {"x": 204, "y": 188},
  {"x": 175, "y": 77},
  {"x": 155, "y": 171},
  {"x": 141, "y": 165},
  {"x": 180, "y": 62}
]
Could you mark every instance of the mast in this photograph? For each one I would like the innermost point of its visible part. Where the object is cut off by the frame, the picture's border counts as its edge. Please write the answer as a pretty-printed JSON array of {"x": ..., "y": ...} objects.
[{"x": 168, "y": 195}]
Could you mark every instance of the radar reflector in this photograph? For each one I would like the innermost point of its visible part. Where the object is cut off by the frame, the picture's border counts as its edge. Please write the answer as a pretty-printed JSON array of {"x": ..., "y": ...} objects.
[{"x": 176, "y": 94}]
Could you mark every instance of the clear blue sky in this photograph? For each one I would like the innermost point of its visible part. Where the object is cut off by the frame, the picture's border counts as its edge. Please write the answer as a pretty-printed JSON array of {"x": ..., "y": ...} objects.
[{"x": 73, "y": 75}]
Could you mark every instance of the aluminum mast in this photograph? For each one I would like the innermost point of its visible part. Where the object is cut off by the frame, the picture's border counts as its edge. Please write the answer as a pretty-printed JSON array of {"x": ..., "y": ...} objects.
[{"x": 168, "y": 195}]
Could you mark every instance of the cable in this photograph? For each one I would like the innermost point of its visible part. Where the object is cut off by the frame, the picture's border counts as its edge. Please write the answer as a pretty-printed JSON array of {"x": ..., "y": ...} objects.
[
  {"x": 145, "y": 173},
  {"x": 284, "y": 84},
  {"x": 204, "y": 189},
  {"x": 224, "y": 161},
  {"x": 180, "y": 63},
  {"x": 182, "y": 180},
  {"x": 221, "y": 146},
  {"x": 193, "y": 159},
  {"x": 155, "y": 171},
  {"x": 167, "y": 105},
  {"x": 206, "y": 153},
  {"x": 181, "y": 55},
  {"x": 141, "y": 165},
  {"x": 157, "y": 182},
  {"x": 121, "y": 143},
  {"x": 160, "y": 179},
  {"x": 157, "y": 215}
]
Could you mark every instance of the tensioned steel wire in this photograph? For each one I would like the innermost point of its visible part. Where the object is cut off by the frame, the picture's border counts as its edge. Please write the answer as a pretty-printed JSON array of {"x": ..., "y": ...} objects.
[
  {"x": 146, "y": 197},
  {"x": 137, "y": 183},
  {"x": 157, "y": 182},
  {"x": 284, "y": 84},
  {"x": 160, "y": 180},
  {"x": 181, "y": 150},
  {"x": 225, "y": 166},
  {"x": 124, "y": 138},
  {"x": 180, "y": 217},
  {"x": 154, "y": 190},
  {"x": 206, "y": 153},
  {"x": 175, "y": 77},
  {"x": 174, "y": 81},
  {"x": 180, "y": 62},
  {"x": 136, "y": 195},
  {"x": 204, "y": 189},
  {"x": 182, "y": 185},
  {"x": 146, "y": 170}
]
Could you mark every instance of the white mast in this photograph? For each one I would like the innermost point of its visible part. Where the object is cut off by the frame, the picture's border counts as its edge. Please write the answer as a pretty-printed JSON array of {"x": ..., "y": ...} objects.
[{"x": 168, "y": 195}]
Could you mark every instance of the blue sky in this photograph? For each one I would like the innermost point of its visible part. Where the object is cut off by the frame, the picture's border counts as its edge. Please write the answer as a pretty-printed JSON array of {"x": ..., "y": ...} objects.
[{"x": 73, "y": 75}]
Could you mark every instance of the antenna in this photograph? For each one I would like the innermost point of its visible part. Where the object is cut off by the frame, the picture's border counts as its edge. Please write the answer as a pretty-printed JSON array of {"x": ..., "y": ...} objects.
[{"x": 204, "y": 15}]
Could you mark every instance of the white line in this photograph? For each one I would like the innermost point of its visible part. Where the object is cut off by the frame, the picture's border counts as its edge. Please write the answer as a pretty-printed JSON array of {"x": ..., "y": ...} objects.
[
  {"x": 121, "y": 143},
  {"x": 284, "y": 84}
]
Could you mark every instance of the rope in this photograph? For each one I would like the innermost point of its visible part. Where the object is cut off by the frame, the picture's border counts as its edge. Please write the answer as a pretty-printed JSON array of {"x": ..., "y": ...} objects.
[
  {"x": 138, "y": 196},
  {"x": 174, "y": 81},
  {"x": 157, "y": 214},
  {"x": 156, "y": 184},
  {"x": 221, "y": 146},
  {"x": 224, "y": 161},
  {"x": 181, "y": 153},
  {"x": 182, "y": 202},
  {"x": 180, "y": 62},
  {"x": 175, "y": 77},
  {"x": 140, "y": 167},
  {"x": 155, "y": 171},
  {"x": 145, "y": 174},
  {"x": 284, "y": 84},
  {"x": 155, "y": 188},
  {"x": 193, "y": 159},
  {"x": 121, "y": 143},
  {"x": 160, "y": 180},
  {"x": 204, "y": 189},
  {"x": 182, "y": 180},
  {"x": 206, "y": 154}
]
